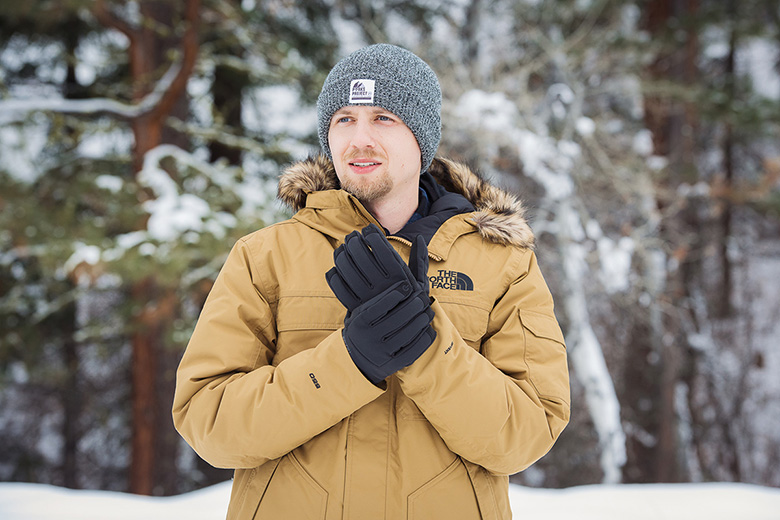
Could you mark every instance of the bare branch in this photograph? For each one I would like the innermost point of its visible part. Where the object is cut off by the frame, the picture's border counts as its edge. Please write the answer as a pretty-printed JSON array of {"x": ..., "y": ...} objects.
[
  {"x": 189, "y": 56},
  {"x": 109, "y": 19}
]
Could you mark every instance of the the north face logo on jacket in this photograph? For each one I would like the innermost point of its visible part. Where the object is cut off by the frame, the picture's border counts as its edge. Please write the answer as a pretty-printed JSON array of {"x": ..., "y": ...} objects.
[{"x": 451, "y": 280}]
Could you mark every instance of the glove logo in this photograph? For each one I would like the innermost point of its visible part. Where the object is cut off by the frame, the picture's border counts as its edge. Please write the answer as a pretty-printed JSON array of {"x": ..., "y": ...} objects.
[{"x": 452, "y": 280}]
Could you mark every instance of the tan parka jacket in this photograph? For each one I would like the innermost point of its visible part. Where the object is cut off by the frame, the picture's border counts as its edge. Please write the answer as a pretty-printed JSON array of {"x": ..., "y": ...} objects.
[{"x": 266, "y": 385}]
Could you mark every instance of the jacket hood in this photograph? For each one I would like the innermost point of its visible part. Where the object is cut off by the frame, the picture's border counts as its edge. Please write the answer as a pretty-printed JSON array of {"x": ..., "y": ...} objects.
[{"x": 499, "y": 216}]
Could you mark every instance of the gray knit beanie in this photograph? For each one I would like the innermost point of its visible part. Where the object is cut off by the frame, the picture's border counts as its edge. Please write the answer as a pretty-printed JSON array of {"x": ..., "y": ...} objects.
[{"x": 389, "y": 77}]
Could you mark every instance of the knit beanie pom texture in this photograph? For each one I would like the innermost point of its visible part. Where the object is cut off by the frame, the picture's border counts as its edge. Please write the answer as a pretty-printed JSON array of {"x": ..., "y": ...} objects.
[{"x": 390, "y": 77}]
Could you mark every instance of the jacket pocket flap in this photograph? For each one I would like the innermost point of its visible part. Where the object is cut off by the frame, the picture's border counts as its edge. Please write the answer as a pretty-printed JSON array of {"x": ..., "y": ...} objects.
[
  {"x": 305, "y": 312},
  {"x": 470, "y": 321},
  {"x": 248, "y": 488},
  {"x": 541, "y": 325}
]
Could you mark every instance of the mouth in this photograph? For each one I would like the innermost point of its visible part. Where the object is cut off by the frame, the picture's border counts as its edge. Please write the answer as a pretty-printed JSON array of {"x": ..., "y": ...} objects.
[{"x": 364, "y": 164}]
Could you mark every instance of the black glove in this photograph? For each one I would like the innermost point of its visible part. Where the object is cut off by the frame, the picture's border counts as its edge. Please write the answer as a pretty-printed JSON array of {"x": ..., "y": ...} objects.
[
  {"x": 389, "y": 332},
  {"x": 388, "y": 308},
  {"x": 366, "y": 265}
]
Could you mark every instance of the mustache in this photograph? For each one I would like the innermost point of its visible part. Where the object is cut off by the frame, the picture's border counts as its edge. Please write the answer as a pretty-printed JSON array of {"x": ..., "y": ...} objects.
[{"x": 364, "y": 153}]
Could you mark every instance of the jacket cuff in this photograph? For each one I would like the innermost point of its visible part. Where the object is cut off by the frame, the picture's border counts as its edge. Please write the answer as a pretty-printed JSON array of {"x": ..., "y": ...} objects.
[
  {"x": 330, "y": 367},
  {"x": 448, "y": 347}
]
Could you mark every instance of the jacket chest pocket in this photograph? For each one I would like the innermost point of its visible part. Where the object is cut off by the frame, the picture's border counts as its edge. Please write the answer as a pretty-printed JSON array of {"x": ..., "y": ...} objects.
[
  {"x": 303, "y": 321},
  {"x": 470, "y": 320}
]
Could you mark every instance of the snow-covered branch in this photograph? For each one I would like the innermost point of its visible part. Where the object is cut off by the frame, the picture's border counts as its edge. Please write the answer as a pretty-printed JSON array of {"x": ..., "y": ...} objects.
[
  {"x": 172, "y": 212},
  {"x": 20, "y": 108}
]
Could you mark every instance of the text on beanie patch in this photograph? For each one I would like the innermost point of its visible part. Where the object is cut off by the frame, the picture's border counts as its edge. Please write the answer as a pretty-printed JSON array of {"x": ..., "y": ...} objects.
[{"x": 361, "y": 91}]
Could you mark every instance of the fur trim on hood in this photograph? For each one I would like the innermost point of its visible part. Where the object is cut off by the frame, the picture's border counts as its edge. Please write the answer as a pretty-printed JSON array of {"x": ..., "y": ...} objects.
[{"x": 499, "y": 215}]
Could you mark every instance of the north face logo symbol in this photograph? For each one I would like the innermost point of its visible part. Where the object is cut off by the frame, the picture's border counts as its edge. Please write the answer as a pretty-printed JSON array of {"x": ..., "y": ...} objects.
[
  {"x": 452, "y": 280},
  {"x": 361, "y": 91}
]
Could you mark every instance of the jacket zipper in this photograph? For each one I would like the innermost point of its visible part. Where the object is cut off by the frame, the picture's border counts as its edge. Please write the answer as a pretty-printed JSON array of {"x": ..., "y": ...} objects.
[
  {"x": 432, "y": 256},
  {"x": 370, "y": 220}
]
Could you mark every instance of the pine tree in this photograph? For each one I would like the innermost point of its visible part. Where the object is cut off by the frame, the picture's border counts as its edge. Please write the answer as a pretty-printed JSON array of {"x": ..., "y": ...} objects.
[{"x": 117, "y": 218}]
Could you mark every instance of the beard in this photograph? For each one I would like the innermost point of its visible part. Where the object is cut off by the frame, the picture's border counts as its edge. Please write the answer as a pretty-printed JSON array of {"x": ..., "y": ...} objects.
[{"x": 368, "y": 190}]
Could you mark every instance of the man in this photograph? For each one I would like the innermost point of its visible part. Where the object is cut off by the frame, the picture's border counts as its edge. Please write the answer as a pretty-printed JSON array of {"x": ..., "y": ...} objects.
[{"x": 391, "y": 350}]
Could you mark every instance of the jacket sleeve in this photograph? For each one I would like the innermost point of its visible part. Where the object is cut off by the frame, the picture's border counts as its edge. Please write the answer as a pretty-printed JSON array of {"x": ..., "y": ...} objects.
[
  {"x": 503, "y": 407},
  {"x": 231, "y": 404}
]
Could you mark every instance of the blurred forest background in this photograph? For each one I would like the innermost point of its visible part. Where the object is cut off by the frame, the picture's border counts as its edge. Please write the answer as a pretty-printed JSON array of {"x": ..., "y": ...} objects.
[{"x": 140, "y": 139}]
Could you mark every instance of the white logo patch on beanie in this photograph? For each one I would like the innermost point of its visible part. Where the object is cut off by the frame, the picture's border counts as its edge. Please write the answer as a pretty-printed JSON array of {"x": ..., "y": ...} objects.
[{"x": 361, "y": 91}]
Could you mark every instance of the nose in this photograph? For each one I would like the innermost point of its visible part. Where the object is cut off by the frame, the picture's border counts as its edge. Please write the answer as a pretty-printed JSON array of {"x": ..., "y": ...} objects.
[{"x": 363, "y": 134}]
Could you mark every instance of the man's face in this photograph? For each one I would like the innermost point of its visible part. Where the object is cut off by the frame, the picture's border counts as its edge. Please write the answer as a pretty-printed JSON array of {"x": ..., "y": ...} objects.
[{"x": 375, "y": 154}]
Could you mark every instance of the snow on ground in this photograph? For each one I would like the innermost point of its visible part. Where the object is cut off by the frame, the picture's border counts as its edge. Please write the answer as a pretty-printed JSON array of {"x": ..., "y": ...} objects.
[
  {"x": 39, "y": 501},
  {"x": 716, "y": 501}
]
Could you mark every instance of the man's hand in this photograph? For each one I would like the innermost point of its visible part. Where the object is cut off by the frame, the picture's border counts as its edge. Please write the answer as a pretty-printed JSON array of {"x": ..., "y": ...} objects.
[
  {"x": 389, "y": 332},
  {"x": 388, "y": 308},
  {"x": 366, "y": 265}
]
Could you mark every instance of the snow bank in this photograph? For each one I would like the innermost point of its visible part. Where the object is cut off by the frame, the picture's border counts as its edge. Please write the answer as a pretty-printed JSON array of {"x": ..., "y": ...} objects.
[
  {"x": 39, "y": 502},
  {"x": 716, "y": 501},
  {"x": 635, "y": 502}
]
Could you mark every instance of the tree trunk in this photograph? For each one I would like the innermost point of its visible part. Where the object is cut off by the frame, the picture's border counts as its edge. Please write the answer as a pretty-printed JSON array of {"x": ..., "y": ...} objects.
[
  {"x": 71, "y": 393},
  {"x": 71, "y": 396},
  {"x": 723, "y": 302},
  {"x": 226, "y": 90},
  {"x": 145, "y": 344},
  {"x": 153, "y": 441},
  {"x": 672, "y": 122},
  {"x": 148, "y": 56}
]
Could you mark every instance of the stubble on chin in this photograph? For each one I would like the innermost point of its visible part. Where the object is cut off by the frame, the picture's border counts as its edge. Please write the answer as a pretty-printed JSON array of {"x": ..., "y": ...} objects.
[{"x": 368, "y": 190}]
